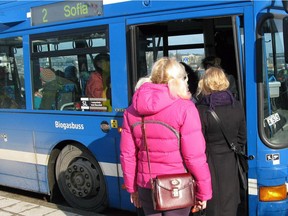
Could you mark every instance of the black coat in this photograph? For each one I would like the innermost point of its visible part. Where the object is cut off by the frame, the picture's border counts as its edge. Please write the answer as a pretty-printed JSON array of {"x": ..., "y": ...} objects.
[{"x": 221, "y": 160}]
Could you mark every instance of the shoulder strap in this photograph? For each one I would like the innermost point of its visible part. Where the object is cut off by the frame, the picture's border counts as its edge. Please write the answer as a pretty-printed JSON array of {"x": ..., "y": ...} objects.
[
  {"x": 146, "y": 143},
  {"x": 231, "y": 144},
  {"x": 146, "y": 147}
]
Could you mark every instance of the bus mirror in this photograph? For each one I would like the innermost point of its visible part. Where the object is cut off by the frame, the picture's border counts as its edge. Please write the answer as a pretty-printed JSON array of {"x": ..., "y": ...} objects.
[
  {"x": 285, "y": 5},
  {"x": 262, "y": 19},
  {"x": 285, "y": 38}
]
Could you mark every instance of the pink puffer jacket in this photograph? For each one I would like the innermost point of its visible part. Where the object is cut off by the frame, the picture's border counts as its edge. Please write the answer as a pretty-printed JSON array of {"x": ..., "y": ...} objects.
[{"x": 161, "y": 113}]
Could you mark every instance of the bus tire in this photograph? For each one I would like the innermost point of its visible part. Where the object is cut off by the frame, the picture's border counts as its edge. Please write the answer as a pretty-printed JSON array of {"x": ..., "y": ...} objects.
[{"x": 80, "y": 179}]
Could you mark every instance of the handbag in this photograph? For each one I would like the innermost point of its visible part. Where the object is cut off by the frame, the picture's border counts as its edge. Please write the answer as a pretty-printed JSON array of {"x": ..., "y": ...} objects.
[
  {"x": 170, "y": 191},
  {"x": 241, "y": 157}
]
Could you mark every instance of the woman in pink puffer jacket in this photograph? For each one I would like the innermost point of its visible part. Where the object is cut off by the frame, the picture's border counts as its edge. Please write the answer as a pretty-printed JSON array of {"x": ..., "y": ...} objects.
[{"x": 163, "y": 98}]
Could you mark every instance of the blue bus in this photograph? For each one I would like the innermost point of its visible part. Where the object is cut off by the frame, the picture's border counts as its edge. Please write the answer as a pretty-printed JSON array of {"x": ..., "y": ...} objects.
[{"x": 58, "y": 140}]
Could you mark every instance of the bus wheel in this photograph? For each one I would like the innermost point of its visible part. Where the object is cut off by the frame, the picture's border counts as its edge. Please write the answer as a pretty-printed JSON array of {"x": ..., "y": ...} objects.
[{"x": 80, "y": 179}]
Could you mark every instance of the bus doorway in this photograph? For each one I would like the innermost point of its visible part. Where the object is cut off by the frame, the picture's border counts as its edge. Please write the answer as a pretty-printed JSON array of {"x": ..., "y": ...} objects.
[{"x": 190, "y": 41}]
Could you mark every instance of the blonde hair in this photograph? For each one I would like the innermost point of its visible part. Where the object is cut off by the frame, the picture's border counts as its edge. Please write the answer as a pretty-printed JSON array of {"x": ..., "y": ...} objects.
[
  {"x": 170, "y": 71},
  {"x": 213, "y": 80}
]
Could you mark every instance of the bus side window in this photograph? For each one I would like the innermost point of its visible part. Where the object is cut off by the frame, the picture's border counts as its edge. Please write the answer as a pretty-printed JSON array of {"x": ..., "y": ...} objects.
[
  {"x": 98, "y": 86},
  {"x": 75, "y": 65},
  {"x": 7, "y": 92}
]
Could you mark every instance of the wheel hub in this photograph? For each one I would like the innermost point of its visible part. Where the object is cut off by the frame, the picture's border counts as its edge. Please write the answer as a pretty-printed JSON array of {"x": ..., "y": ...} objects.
[{"x": 81, "y": 179}]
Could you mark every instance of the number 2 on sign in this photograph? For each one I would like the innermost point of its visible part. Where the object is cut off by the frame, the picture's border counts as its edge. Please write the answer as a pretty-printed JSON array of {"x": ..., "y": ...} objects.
[{"x": 45, "y": 13}]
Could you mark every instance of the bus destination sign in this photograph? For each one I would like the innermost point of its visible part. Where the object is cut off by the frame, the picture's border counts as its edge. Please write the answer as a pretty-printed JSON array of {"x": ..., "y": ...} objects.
[{"x": 67, "y": 10}]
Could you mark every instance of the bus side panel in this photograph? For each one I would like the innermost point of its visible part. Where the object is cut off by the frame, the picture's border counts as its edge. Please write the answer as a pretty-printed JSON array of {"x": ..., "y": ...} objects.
[
  {"x": 17, "y": 154},
  {"x": 119, "y": 69},
  {"x": 56, "y": 129},
  {"x": 118, "y": 51},
  {"x": 19, "y": 175},
  {"x": 109, "y": 165}
]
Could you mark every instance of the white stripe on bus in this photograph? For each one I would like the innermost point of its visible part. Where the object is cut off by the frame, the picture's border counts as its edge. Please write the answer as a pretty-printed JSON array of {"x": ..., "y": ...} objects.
[
  {"x": 111, "y": 169},
  {"x": 108, "y": 169},
  {"x": 105, "y": 2},
  {"x": 25, "y": 157},
  {"x": 252, "y": 187}
]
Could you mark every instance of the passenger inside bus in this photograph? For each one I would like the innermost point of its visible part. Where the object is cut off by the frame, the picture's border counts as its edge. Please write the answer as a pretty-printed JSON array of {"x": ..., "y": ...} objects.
[
  {"x": 49, "y": 89},
  {"x": 6, "y": 90},
  {"x": 57, "y": 91},
  {"x": 70, "y": 73},
  {"x": 70, "y": 89},
  {"x": 213, "y": 61},
  {"x": 192, "y": 79},
  {"x": 98, "y": 85}
]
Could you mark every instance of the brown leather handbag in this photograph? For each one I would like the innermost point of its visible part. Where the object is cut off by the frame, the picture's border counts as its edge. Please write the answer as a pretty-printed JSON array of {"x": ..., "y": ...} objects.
[{"x": 171, "y": 191}]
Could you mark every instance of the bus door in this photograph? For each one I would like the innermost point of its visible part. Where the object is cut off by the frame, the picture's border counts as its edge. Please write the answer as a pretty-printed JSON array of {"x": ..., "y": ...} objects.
[{"x": 190, "y": 41}]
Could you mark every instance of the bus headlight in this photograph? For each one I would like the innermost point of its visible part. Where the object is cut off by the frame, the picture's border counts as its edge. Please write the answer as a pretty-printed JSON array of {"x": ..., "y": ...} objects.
[{"x": 274, "y": 193}]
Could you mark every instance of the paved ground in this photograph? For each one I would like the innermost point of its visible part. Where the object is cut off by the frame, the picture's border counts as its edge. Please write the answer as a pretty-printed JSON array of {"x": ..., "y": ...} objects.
[
  {"x": 11, "y": 207},
  {"x": 16, "y": 207},
  {"x": 19, "y": 203}
]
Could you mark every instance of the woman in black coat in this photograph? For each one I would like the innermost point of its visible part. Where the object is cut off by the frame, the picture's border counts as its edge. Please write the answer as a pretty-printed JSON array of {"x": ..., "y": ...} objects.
[{"x": 221, "y": 159}]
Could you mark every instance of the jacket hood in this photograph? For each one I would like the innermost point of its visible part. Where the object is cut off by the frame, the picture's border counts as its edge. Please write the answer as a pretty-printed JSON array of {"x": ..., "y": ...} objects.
[{"x": 151, "y": 98}]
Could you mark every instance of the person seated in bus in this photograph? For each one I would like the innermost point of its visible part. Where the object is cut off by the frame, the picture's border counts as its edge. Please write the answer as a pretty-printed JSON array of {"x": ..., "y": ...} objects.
[
  {"x": 6, "y": 99},
  {"x": 98, "y": 84},
  {"x": 2, "y": 79},
  {"x": 50, "y": 87},
  {"x": 213, "y": 61},
  {"x": 69, "y": 88},
  {"x": 59, "y": 73},
  {"x": 221, "y": 159},
  {"x": 70, "y": 74}
]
